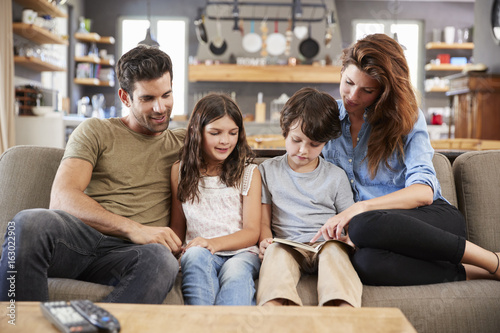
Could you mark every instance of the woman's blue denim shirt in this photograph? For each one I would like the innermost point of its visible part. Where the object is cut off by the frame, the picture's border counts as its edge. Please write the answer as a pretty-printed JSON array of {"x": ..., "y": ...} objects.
[{"x": 417, "y": 167}]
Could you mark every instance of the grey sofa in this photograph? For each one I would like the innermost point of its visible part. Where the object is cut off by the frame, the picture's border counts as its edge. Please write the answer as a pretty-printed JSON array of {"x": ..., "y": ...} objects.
[{"x": 472, "y": 183}]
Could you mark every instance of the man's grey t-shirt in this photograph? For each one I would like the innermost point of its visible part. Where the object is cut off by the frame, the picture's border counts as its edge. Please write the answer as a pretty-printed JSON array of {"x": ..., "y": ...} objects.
[{"x": 303, "y": 202}]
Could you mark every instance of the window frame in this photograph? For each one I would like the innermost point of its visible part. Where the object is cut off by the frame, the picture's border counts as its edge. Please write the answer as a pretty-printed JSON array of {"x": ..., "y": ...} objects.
[
  {"x": 387, "y": 23},
  {"x": 176, "y": 70}
]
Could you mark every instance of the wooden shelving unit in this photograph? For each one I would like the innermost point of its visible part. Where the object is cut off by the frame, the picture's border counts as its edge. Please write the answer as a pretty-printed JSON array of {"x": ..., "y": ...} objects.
[
  {"x": 438, "y": 89},
  {"x": 444, "y": 67},
  {"x": 446, "y": 46},
  {"x": 42, "y": 7},
  {"x": 93, "y": 82},
  {"x": 271, "y": 73},
  {"x": 37, "y": 34},
  {"x": 36, "y": 64},
  {"x": 94, "y": 37},
  {"x": 95, "y": 60}
]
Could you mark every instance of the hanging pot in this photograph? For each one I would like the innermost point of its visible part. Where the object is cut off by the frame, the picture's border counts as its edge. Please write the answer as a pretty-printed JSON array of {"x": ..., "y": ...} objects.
[
  {"x": 276, "y": 42},
  {"x": 201, "y": 32},
  {"x": 309, "y": 48},
  {"x": 218, "y": 45},
  {"x": 252, "y": 41}
]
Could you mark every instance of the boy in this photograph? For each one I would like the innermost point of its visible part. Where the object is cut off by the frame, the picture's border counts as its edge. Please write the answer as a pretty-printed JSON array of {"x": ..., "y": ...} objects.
[{"x": 300, "y": 192}]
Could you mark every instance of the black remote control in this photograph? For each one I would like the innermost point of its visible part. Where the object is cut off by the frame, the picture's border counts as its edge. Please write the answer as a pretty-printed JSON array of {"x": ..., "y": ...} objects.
[
  {"x": 100, "y": 318},
  {"x": 66, "y": 318}
]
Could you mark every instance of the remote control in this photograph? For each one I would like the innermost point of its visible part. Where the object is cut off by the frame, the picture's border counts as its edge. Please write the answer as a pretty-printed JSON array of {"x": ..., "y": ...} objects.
[
  {"x": 100, "y": 318},
  {"x": 66, "y": 318}
]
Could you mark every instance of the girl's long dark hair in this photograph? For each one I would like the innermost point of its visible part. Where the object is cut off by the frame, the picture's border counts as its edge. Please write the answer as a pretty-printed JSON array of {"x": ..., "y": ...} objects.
[{"x": 210, "y": 108}]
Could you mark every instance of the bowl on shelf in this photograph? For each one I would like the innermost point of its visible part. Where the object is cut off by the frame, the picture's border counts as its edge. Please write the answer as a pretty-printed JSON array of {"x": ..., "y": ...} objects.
[{"x": 42, "y": 110}]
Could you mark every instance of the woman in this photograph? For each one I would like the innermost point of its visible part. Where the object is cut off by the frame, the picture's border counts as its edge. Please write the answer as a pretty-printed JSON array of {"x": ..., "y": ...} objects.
[{"x": 405, "y": 232}]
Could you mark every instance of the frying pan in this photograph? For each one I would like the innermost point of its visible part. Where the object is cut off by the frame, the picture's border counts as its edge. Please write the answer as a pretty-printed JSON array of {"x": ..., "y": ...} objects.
[
  {"x": 276, "y": 42},
  {"x": 218, "y": 45},
  {"x": 252, "y": 41},
  {"x": 201, "y": 32},
  {"x": 309, "y": 48}
]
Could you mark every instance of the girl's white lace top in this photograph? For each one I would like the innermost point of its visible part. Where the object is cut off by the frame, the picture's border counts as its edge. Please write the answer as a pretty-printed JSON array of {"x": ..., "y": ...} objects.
[{"x": 219, "y": 211}]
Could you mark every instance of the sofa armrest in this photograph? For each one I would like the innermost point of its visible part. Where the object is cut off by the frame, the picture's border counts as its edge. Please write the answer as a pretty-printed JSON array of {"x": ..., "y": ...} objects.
[
  {"x": 26, "y": 176},
  {"x": 444, "y": 173},
  {"x": 477, "y": 178}
]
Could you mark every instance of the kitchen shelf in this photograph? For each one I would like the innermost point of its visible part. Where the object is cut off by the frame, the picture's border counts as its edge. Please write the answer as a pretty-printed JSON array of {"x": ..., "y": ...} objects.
[
  {"x": 36, "y": 64},
  {"x": 93, "y": 82},
  {"x": 95, "y": 60},
  {"x": 271, "y": 73},
  {"x": 37, "y": 34},
  {"x": 444, "y": 67},
  {"x": 42, "y": 7},
  {"x": 446, "y": 46},
  {"x": 438, "y": 89},
  {"x": 94, "y": 37}
]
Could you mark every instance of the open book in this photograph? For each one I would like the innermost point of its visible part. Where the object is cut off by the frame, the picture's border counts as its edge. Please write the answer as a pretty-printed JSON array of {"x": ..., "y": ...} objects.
[{"x": 316, "y": 247}]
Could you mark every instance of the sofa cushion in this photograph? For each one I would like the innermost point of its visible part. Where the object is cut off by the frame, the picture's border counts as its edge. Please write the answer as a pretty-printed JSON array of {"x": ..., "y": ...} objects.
[
  {"x": 465, "y": 306},
  {"x": 67, "y": 289},
  {"x": 478, "y": 192}
]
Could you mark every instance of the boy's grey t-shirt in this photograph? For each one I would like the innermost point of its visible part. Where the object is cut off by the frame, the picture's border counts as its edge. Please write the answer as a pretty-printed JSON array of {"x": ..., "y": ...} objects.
[{"x": 303, "y": 202}]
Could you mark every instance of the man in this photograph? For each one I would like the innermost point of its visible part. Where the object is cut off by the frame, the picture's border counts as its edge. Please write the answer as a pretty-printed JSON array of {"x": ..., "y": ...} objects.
[{"x": 110, "y": 200}]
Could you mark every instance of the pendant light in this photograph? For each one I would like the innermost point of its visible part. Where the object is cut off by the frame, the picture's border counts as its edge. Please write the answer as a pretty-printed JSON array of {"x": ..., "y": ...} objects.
[
  {"x": 395, "y": 11},
  {"x": 149, "y": 40}
]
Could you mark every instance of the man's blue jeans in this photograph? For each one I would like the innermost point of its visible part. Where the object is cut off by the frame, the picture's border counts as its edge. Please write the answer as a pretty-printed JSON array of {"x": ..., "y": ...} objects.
[
  {"x": 210, "y": 279},
  {"x": 52, "y": 243}
]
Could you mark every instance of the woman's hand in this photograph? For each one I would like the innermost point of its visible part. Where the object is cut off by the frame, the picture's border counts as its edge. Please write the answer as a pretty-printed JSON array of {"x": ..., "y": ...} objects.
[
  {"x": 263, "y": 246},
  {"x": 202, "y": 242},
  {"x": 333, "y": 228}
]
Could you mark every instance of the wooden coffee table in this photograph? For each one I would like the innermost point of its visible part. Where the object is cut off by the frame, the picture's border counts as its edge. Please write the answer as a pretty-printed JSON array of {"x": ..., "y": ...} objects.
[{"x": 177, "y": 318}]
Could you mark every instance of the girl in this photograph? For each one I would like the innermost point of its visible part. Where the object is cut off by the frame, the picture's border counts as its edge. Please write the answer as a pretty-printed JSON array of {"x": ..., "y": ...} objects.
[
  {"x": 405, "y": 231},
  {"x": 216, "y": 206}
]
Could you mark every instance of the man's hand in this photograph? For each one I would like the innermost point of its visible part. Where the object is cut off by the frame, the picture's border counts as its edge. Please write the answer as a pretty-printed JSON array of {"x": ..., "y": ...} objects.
[
  {"x": 160, "y": 235},
  {"x": 263, "y": 246}
]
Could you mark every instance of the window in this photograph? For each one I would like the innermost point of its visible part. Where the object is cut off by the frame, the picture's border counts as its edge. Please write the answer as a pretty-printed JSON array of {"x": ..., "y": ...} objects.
[
  {"x": 409, "y": 35},
  {"x": 171, "y": 34}
]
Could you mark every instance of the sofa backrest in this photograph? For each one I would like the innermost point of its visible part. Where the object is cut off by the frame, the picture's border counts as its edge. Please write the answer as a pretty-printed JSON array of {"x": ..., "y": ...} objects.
[
  {"x": 26, "y": 175},
  {"x": 478, "y": 192}
]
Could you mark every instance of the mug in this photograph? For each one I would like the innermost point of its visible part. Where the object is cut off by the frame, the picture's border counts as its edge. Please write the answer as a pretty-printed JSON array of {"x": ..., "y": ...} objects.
[
  {"x": 29, "y": 16},
  {"x": 449, "y": 35}
]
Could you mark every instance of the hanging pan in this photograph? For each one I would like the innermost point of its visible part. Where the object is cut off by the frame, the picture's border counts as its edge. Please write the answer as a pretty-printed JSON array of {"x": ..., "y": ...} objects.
[
  {"x": 252, "y": 41},
  {"x": 309, "y": 48},
  {"x": 276, "y": 42},
  {"x": 218, "y": 45}
]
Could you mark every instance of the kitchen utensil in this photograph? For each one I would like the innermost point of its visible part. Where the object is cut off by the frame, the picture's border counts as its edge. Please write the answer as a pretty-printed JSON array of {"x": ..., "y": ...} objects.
[
  {"x": 201, "y": 32},
  {"x": 218, "y": 45},
  {"x": 300, "y": 31},
  {"x": 263, "y": 31},
  {"x": 252, "y": 42},
  {"x": 309, "y": 47},
  {"x": 288, "y": 37},
  {"x": 276, "y": 42},
  {"x": 330, "y": 24}
]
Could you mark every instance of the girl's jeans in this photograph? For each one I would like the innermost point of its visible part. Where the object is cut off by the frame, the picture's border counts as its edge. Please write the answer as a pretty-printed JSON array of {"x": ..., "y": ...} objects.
[
  {"x": 52, "y": 243},
  {"x": 210, "y": 279}
]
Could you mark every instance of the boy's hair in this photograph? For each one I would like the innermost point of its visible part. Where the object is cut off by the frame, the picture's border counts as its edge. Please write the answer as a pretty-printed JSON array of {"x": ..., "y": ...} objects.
[
  {"x": 208, "y": 109},
  {"x": 317, "y": 112},
  {"x": 142, "y": 63}
]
